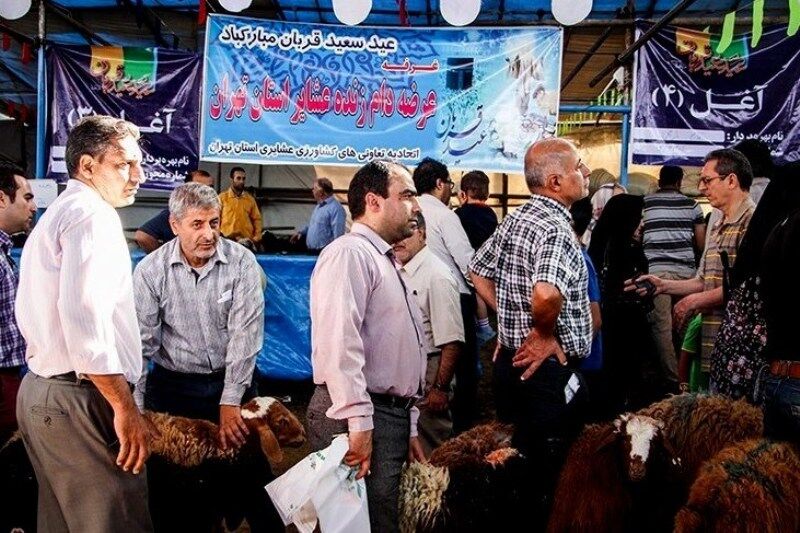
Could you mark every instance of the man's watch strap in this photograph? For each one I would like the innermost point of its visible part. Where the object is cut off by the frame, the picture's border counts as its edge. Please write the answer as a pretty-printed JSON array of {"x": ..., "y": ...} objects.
[{"x": 441, "y": 387}]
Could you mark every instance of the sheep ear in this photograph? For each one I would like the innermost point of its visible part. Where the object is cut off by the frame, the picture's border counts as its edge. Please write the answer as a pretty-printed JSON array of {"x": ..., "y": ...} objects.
[
  {"x": 608, "y": 439},
  {"x": 269, "y": 444}
]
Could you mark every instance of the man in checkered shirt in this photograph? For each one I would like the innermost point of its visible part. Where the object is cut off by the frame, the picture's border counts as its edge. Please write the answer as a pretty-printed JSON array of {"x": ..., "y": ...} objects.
[{"x": 532, "y": 273}]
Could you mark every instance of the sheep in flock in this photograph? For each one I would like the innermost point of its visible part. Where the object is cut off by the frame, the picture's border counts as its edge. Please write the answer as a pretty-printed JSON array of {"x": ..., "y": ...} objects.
[
  {"x": 609, "y": 470},
  {"x": 472, "y": 482},
  {"x": 697, "y": 426},
  {"x": 189, "y": 442},
  {"x": 749, "y": 487},
  {"x": 606, "y": 488}
]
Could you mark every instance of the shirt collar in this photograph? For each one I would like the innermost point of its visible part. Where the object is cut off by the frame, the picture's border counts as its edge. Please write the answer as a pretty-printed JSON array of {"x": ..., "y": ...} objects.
[
  {"x": 371, "y": 236},
  {"x": 326, "y": 201},
  {"x": 412, "y": 266},
  {"x": 552, "y": 204},
  {"x": 5, "y": 241},
  {"x": 746, "y": 204},
  {"x": 176, "y": 257}
]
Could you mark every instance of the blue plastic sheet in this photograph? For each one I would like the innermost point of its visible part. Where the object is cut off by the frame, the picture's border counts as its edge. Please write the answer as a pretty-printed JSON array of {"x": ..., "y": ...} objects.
[{"x": 286, "y": 353}]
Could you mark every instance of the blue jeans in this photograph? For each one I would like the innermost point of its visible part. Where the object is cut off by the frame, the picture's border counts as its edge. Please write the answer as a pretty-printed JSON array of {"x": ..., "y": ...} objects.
[{"x": 781, "y": 407}]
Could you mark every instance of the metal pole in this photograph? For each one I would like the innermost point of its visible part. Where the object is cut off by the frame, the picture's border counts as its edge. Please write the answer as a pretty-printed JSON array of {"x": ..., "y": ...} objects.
[
  {"x": 623, "y": 158},
  {"x": 41, "y": 100},
  {"x": 589, "y": 108},
  {"x": 624, "y": 56}
]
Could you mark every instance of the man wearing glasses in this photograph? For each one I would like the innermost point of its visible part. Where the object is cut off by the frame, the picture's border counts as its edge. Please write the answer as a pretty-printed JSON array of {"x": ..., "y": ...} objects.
[{"x": 725, "y": 180}]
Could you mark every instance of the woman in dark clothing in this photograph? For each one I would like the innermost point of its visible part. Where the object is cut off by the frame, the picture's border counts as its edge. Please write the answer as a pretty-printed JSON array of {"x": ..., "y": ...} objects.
[{"x": 616, "y": 250}]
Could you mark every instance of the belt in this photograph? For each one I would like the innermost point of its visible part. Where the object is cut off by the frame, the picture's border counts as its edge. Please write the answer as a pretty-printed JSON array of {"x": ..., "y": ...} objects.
[
  {"x": 387, "y": 400},
  {"x": 72, "y": 377},
  {"x": 789, "y": 369}
]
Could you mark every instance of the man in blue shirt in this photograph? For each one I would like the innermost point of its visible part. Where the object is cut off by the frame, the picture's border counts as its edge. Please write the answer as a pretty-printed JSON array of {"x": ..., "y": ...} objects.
[{"x": 327, "y": 221}]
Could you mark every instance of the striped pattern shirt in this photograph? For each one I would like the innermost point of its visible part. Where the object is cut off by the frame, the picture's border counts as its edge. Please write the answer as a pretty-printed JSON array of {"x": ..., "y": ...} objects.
[
  {"x": 536, "y": 243},
  {"x": 75, "y": 298},
  {"x": 725, "y": 235},
  {"x": 202, "y": 320},
  {"x": 669, "y": 219}
]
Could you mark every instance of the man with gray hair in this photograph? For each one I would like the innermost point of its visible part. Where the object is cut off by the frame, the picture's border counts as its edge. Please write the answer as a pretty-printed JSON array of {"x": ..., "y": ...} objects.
[
  {"x": 201, "y": 314},
  {"x": 532, "y": 272},
  {"x": 327, "y": 220},
  {"x": 85, "y": 438}
]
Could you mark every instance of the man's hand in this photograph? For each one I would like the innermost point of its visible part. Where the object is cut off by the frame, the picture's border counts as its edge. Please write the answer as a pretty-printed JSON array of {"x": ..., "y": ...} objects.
[
  {"x": 415, "y": 452},
  {"x": 496, "y": 352},
  {"x": 435, "y": 401},
  {"x": 686, "y": 308},
  {"x": 360, "y": 451},
  {"x": 639, "y": 285},
  {"x": 535, "y": 350},
  {"x": 134, "y": 435},
  {"x": 232, "y": 429},
  {"x": 294, "y": 238}
]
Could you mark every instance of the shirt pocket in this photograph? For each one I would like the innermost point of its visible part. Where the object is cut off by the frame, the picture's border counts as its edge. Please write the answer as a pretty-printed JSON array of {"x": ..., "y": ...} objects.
[{"x": 223, "y": 308}]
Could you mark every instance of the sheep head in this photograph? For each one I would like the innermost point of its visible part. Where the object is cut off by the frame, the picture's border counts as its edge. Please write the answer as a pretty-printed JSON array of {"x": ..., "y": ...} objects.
[
  {"x": 641, "y": 435},
  {"x": 274, "y": 424}
]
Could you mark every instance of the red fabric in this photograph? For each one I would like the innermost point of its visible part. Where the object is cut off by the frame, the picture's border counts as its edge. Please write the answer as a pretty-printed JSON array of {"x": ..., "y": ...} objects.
[
  {"x": 9, "y": 385},
  {"x": 27, "y": 55},
  {"x": 402, "y": 10},
  {"x": 23, "y": 113},
  {"x": 202, "y": 12},
  {"x": 6, "y": 41}
]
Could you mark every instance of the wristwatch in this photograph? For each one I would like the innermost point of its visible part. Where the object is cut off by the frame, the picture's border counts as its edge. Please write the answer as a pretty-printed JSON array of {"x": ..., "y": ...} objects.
[{"x": 441, "y": 387}]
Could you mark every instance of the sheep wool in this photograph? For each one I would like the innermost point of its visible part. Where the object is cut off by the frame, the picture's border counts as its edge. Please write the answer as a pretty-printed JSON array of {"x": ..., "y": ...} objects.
[
  {"x": 421, "y": 489},
  {"x": 749, "y": 487}
]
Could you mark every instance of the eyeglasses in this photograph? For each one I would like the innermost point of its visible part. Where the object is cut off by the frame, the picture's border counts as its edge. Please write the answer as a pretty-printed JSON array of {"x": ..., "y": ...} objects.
[{"x": 705, "y": 181}]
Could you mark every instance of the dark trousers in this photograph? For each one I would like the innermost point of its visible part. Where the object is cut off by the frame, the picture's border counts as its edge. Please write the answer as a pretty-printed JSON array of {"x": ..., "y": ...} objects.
[
  {"x": 781, "y": 407},
  {"x": 545, "y": 423},
  {"x": 464, "y": 405},
  {"x": 195, "y": 499},
  {"x": 389, "y": 451},
  {"x": 10, "y": 378}
]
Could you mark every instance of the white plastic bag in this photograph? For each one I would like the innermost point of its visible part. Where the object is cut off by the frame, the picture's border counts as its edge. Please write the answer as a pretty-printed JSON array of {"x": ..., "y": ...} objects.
[{"x": 322, "y": 488}]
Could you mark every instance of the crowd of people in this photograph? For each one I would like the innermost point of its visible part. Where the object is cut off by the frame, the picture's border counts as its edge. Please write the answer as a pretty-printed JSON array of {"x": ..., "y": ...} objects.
[{"x": 603, "y": 305}]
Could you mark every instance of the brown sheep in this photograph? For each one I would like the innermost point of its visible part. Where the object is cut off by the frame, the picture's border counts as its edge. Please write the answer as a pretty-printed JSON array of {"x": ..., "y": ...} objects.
[
  {"x": 698, "y": 426},
  {"x": 469, "y": 484},
  {"x": 749, "y": 487},
  {"x": 189, "y": 442},
  {"x": 607, "y": 472}
]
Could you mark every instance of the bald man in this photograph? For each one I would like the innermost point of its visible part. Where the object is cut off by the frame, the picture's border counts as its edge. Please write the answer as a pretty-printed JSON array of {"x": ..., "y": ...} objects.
[{"x": 532, "y": 272}]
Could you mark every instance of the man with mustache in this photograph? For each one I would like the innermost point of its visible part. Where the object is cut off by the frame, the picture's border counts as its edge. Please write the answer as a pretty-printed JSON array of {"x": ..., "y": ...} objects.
[
  {"x": 201, "y": 314},
  {"x": 17, "y": 209}
]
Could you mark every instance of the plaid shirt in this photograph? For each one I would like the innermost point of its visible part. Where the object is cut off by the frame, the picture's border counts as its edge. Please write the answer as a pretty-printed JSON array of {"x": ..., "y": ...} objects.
[
  {"x": 536, "y": 243},
  {"x": 12, "y": 345}
]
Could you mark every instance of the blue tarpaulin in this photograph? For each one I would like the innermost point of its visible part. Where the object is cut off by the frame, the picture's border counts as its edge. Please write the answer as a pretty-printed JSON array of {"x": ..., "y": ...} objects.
[{"x": 286, "y": 353}]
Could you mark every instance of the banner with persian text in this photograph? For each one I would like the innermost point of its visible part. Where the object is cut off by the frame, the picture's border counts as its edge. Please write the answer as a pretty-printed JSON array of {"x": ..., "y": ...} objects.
[
  {"x": 690, "y": 99},
  {"x": 157, "y": 89},
  {"x": 277, "y": 92}
]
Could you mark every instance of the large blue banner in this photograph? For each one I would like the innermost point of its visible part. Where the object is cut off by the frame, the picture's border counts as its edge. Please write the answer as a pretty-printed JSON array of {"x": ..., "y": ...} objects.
[
  {"x": 690, "y": 99},
  {"x": 293, "y": 93},
  {"x": 156, "y": 89}
]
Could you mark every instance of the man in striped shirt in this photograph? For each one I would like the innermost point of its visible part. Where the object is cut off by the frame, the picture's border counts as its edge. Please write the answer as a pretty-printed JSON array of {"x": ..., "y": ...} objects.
[
  {"x": 725, "y": 179},
  {"x": 673, "y": 230}
]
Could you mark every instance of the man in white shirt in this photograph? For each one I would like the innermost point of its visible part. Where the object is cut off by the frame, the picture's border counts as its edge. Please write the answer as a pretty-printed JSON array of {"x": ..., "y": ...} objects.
[
  {"x": 86, "y": 439},
  {"x": 448, "y": 241},
  {"x": 436, "y": 292}
]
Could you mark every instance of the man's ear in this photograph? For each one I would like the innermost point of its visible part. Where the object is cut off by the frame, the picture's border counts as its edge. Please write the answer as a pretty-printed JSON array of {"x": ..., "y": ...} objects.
[
  {"x": 553, "y": 181},
  {"x": 4, "y": 200},
  {"x": 173, "y": 224},
  {"x": 373, "y": 202},
  {"x": 85, "y": 164}
]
